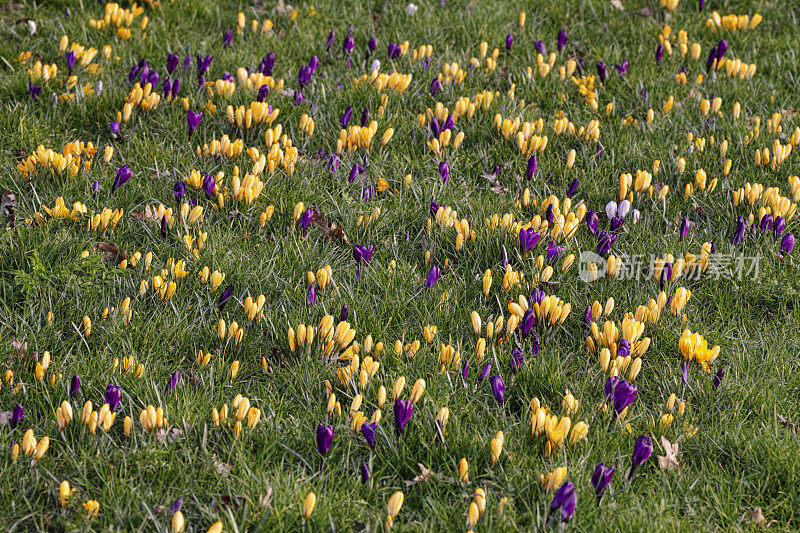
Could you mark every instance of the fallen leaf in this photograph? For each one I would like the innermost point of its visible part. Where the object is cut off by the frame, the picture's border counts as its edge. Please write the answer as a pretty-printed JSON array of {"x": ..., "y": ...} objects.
[
  {"x": 20, "y": 347},
  {"x": 266, "y": 498},
  {"x": 5, "y": 418},
  {"x": 221, "y": 468},
  {"x": 331, "y": 230},
  {"x": 148, "y": 215},
  {"x": 112, "y": 252},
  {"x": 670, "y": 460},
  {"x": 423, "y": 477},
  {"x": 8, "y": 206},
  {"x": 757, "y": 517},
  {"x": 617, "y": 4},
  {"x": 787, "y": 423}
]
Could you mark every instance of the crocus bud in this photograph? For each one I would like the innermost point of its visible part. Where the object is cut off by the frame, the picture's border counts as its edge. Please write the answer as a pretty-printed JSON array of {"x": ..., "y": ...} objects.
[
  {"x": 509, "y": 41},
  {"x": 498, "y": 388},
  {"x": 562, "y": 40},
  {"x": 642, "y": 451},
  {"x": 74, "y": 386},
  {"x": 601, "y": 478},
  {"x": 324, "y": 439}
]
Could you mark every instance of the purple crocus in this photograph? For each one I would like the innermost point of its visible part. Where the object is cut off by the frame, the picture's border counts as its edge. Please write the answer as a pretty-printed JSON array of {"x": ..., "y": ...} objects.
[
  {"x": 95, "y": 188},
  {"x": 343, "y": 313},
  {"x": 329, "y": 42},
  {"x": 738, "y": 235},
  {"x": 362, "y": 254},
  {"x": 70, "y": 58},
  {"x": 344, "y": 119},
  {"x": 311, "y": 295},
  {"x": 624, "y": 348},
  {"x": 16, "y": 415},
  {"x": 114, "y": 128},
  {"x": 642, "y": 451},
  {"x": 573, "y": 188},
  {"x": 172, "y": 382},
  {"x": 176, "y": 506},
  {"x": 365, "y": 475},
  {"x": 604, "y": 243},
  {"x": 333, "y": 164},
  {"x": 179, "y": 190},
  {"x": 509, "y": 41},
  {"x": 172, "y": 63},
  {"x": 305, "y": 220},
  {"x": 531, "y": 166},
  {"x": 365, "y": 117},
  {"x": 176, "y": 87},
  {"x": 166, "y": 88},
  {"x": 393, "y": 51},
  {"x": 303, "y": 76},
  {"x": 209, "y": 185},
  {"x": 465, "y": 370},
  {"x": 498, "y": 388},
  {"x": 298, "y": 98},
  {"x": 263, "y": 92},
  {"x": 777, "y": 226},
  {"x": 372, "y": 44},
  {"x": 540, "y": 48},
  {"x": 435, "y": 86},
  {"x": 403, "y": 410},
  {"x": 565, "y": 499},
  {"x": 202, "y": 64},
  {"x": 74, "y": 386},
  {"x": 684, "y": 229},
  {"x": 554, "y": 252},
  {"x": 433, "y": 276},
  {"x": 624, "y": 393},
  {"x": 193, "y": 119},
  {"x": 225, "y": 296},
  {"x": 623, "y": 68},
  {"x": 227, "y": 38},
  {"x": 659, "y": 54},
  {"x": 34, "y": 90},
  {"x": 528, "y": 321},
  {"x": 527, "y": 239},
  {"x": 324, "y": 439},
  {"x": 602, "y": 71},
  {"x": 123, "y": 174},
  {"x": 444, "y": 171},
  {"x": 348, "y": 44},
  {"x": 787, "y": 243},
  {"x": 368, "y": 430},
  {"x": 562, "y": 40},
  {"x": 601, "y": 478},
  {"x": 592, "y": 222},
  {"x": 113, "y": 396},
  {"x": 485, "y": 372},
  {"x": 517, "y": 358},
  {"x": 164, "y": 227},
  {"x": 722, "y": 47},
  {"x": 718, "y": 377},
  {"x": 684, "y": 373}
]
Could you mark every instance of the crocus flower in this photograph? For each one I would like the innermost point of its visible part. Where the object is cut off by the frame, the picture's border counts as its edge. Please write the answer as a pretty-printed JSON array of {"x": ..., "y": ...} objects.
[
  {"x": 444, "y": 171},
  {"x": 554, "y": 252},
  {"x": 343, "y": 313},
  {"x": 712, "y": 58},
  {"x": 517, "y": 358},
  {"x": 787, "y": 243},
  {"x": 172, "y": 382},
  {"x": 766, "y": 222},
  {"x": 70, "y": 58},
  {"x": 227, "y": 38},
  {"x": 433, "y": 276},
  {"x": 684, "y": 373},
  {"x": 348, "y": 44},
  {"x": 172, "y": 62},
  {"x": 604, "y": 242},
  {"x": 344, "y": 119},
  {"x": 562, "y": 40},
  {"x": 565, "y": 493},
  {"x": 592, "y": 222},
  {"x": 16, "y": 415},
  {"x": 684, "y": 229},
  {"x": 364, "y": 471},
  {"x": 113, "y": 396},
  {"x": 311, "y": 295},
  {"x": 509, "y": 41},
  {"x": 324, "y": 439},
  {"x": 263, "y": 92},
  {"x": 642, "y": 451},
  {"x": 738, "y": 235},
  {"x": 34, "y": 90},
  {"x": 333, "y": 164},
  {"x": 179, "y": 190},
  {"x": 601, "y": 71},
  {"x": 365, "y": 117},
  {"x": 298, "y": 98},
  {"x": 659, "y": 54},
  {"x": 209, "y": 184},
  {"x": 187, "y": 62},
  {"x": 623, "y": 395},
  {"x": 531, "y": 166},
  {"x": 372, "y": 44},
  {"x": 624, "y": 348},
  {"x": 722, "y": 47},
  {"x": 95, "y": 188},
  {"x": 601, "y": 478},
  {"x": 164, "y": 227},
  {"x": 303, "y": 76},
  {"x": 528, "y": 321},
  {"x": 123, "y": 174},
  {"x": 498, "y": 388},
  {"x": 666, "y": 274},
  {"x": 393, "y": 51},
  {"x": 623, "y": 68},
  {"x": 176, "y": 506},
  {"x": 166, "y": 88},
  {"x": 465, "y": 370},
  {"x": 402, "y": 414},
  {"x": 305, "y": 220},
  {"x": 329, "y": 42},
  {"x": 225, "y": 296},
  {"x": 74, "y": 386},
  {"x": 527, "y": 239},
  {"x": 435, "y": 85},
  {"x": 203, "y": 63},
  {"x": 152, "y": 79},
  {"x": 176, "y": 87},
  {"x": 193, "y": 120},
  {"x": 362, "y": 254},
  {"x": 777, "y": 226},
  {"x": 718, "y": 377},
  {"x": 368, "y": 430},
  {"x": 485, "y": 372},
  {"x": 540, "y": 48},
  {"x": 573, "y": 188}
]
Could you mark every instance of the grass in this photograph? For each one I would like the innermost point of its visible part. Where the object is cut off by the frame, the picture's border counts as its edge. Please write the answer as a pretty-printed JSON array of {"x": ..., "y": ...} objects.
[{"x": 740, "y": 458}]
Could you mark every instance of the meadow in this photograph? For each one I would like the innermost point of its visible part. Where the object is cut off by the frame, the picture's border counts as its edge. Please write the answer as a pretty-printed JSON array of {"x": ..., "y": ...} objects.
[{"x": 361, "y": 266}]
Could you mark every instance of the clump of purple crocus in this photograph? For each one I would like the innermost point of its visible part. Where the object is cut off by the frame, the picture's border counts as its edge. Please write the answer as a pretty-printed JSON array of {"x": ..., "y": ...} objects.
[{"x": 566, "y": 500}]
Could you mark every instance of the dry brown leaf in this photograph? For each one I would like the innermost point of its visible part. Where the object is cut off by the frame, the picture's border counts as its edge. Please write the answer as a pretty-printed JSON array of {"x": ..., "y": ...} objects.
[
  {"x": 331, "y": 230},
  {"x": 112, "y": 252},
  {"x": 148, "y": 215},
  {"x": 265, "y": 499},
  {"x": 20, "y": 347},
  {"x": 670, "y": 460},
  {"x": 757, "y": 517},
  {"x": 787, "y": 423},
  {"x": 8, "y": 206},
  {"x": 617, "y": 4},
  {"x": 221, "y": 468},
  {"x": 423, "y": 477},
  {"x": 5, "y": 418}
]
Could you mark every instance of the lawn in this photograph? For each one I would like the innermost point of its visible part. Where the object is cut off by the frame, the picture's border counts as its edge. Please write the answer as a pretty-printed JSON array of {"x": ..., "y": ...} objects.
[{"x": 384, "y": 265}]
